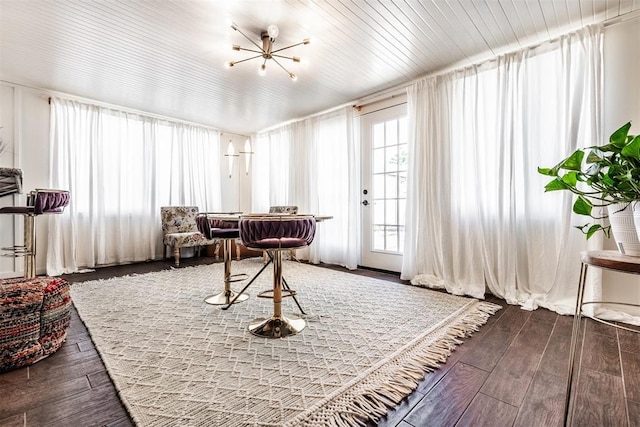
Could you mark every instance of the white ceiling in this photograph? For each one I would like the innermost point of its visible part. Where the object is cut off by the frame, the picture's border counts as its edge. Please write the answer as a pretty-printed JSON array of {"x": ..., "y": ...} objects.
[{"x": 167, "y": 56}]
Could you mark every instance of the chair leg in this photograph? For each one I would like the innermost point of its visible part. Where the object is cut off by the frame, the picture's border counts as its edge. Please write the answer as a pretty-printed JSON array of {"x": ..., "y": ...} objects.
[
  {"x": 278, "y": 325},
  {"x": 176, "y": 255},
  {"x": 30, "y": 246},
  {"x": 217, "y": 250},
  {"x": 227, "y": 296}
]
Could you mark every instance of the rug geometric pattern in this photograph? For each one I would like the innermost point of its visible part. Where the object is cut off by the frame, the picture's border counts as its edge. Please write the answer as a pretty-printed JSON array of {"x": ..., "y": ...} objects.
[{"x": 176, "y": 360}]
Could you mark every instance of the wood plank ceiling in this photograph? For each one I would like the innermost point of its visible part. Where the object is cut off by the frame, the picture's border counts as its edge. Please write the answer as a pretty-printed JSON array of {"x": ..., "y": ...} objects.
[{"x": 167, "y": 56}]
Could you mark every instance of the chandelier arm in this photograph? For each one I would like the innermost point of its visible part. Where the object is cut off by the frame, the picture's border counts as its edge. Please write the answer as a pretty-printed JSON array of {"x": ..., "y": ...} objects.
[
  {"x": 247, "y": 59},
  {"x": 251, "y": 50},
  {"x": 247, "y": 37},
  {"x": 288, "y": 47},
  {"x": 285, "y": 57},
  {"x": 281, "y": 66}
]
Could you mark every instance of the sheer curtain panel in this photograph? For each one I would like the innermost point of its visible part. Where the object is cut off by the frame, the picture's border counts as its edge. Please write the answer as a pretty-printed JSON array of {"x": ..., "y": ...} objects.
[
  {"x": 314, "y": 164},
  {"x": 478, "y": 217},
  {"x": 120, "y": 168}
]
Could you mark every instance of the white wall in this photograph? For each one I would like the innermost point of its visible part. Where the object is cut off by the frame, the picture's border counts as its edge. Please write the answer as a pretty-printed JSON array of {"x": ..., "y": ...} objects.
[
  {"x": 25, "y": 120},
  {"x": 24, "y": 117},
  {"x": 622, "y": 104},
  {"x": 236, "y": 189}
]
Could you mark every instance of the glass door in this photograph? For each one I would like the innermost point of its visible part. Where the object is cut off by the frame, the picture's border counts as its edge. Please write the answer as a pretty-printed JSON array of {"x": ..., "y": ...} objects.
[{"x": 384, "y": 187}]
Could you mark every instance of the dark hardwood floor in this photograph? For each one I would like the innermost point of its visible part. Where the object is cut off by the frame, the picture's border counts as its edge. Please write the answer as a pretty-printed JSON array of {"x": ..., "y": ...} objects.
[{"x": 512, "y": 372}]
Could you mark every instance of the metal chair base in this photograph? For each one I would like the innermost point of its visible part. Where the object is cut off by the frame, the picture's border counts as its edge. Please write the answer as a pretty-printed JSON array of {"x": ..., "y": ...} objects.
[
  {"x": 226, "y": 297},
  {"x": 277, "y": 327}
]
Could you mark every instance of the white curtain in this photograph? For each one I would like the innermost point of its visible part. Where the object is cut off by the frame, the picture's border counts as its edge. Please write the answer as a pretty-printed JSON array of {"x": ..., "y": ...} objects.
[
  {"x": 477, "y": 212},
  {"x": 314, "y": 164},
  {"x": 120, "y": 169}
]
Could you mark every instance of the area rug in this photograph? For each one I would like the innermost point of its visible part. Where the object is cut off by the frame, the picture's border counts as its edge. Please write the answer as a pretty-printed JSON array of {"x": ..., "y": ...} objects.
[{"x": 177, "y": 361}]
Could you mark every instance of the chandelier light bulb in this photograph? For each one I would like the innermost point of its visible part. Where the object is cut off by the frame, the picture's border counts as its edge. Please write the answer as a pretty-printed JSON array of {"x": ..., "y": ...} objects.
[
  {"x": 262, "y": 70},
  {"x": 247, "y": 160},
  {"x": 228, "y": 64},
  {"x": 293, "y": 77},
  {"x": 273, "y": 31},
  {"x": 231, "y": 153},
  {"x": 236, "y": 47}
]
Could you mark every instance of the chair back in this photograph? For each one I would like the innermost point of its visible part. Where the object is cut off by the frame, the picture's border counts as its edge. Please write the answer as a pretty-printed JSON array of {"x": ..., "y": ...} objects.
[
  {"x": 179, "y": 219},
  {"x": 10, "y": 181},
  {"x": 284, "y": 209},
  {"x": 49, "y": 201}
]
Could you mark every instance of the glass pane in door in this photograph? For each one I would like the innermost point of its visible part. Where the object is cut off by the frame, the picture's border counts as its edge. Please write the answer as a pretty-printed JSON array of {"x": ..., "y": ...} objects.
[{"x": 389, "y": 183}]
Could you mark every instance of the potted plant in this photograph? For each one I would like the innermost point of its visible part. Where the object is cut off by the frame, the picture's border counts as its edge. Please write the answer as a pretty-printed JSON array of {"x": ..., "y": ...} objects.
[{"x": 604, "y": 176}]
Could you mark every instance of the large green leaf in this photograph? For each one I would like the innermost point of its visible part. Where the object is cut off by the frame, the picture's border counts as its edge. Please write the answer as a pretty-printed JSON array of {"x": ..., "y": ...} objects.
[
  {"x": 619, "y": 137},
  {"x": 574, "y": 161},
  {"x": 632, "y": 149},
  {"x": 582, "y": 206},
  {"x": 570, "y": 178},
  {"x": 556, "y": 184},
  {"x": 593, "y": 157},
  {"x": 592, "y": 230},
  {"x": 546, "y": 171}
]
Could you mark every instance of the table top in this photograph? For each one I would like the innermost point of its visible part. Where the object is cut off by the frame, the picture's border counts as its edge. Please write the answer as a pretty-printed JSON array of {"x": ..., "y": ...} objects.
[
  {"x": 235, "y": 216},
  {"x": 612, "y": 260}
]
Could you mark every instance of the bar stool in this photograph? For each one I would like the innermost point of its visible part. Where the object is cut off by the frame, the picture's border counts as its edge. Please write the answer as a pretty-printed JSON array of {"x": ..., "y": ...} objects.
[
  {"x": 275, "y": 234},
  {"x": 39, "y": 202},
  {"x": 228, "y": 232}
]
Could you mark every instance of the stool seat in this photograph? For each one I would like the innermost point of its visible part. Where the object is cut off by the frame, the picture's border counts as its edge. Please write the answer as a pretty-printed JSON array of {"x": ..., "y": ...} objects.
[
  {"x": 18, "y": 210},
  {"x": 280, "y": 243}
]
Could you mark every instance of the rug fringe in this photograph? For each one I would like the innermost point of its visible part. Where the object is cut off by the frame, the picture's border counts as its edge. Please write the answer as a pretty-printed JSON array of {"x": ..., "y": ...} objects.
[{"x": 370, "y": 396}]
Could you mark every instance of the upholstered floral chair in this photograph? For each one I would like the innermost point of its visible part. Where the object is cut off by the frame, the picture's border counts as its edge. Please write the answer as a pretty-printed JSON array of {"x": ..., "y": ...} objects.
[{"x": 180, "y": 230}]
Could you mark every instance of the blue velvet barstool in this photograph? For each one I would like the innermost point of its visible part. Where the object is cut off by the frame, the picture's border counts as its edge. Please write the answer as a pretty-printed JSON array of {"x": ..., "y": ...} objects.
[
  {"x": 275, "y": 234},
  {"x": 228, "y": 232}
]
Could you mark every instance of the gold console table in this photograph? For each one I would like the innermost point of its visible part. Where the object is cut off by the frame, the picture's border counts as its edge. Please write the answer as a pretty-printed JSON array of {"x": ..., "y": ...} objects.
[{"x": 608, "y": 260}]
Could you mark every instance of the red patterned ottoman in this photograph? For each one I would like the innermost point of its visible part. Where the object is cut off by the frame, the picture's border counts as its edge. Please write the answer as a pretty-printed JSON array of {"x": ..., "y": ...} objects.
[{"x": 34, "y": 317}]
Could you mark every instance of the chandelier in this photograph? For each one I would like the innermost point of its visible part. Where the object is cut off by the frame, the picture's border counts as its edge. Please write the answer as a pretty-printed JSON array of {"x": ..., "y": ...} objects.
[{"x": 266, "y": 50}]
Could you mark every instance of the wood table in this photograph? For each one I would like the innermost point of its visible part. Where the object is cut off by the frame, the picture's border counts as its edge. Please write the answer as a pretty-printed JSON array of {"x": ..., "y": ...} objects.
[{"x": 608, "y": 260}]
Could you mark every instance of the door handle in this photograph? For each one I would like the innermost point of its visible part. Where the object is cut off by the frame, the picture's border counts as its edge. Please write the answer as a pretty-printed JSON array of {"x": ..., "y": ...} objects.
[{"x": 365, "y": 202}]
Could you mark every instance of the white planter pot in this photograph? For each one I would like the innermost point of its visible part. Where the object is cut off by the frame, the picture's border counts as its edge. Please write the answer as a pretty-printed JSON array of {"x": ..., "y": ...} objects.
[
  {"x": 635, "y": 207},
  {"x": 621, "y": 218}
]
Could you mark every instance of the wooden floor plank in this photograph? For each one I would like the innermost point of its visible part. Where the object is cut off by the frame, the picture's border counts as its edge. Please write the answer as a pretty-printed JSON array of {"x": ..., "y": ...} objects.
[
  {"x": 448, "y": 400},
  {"x": 599, "y": 400},
  {"x": 634, "y": 413},
  {"x": 601, "y": 353},
  {"x": 631, "y": 368},
  {"x": 122, "y": 422},
  {"x": 23, "y": 396},
  {"x": 485, "y": 411},
  {"x": 497, "y": 340},
  {"x": 556, "y": 356},
  {"x": 629, "y": 341},
  {"x": 543, "y": 405},
  {"x": 16, "y": 420},
  {"x": 97, "y": 404},
  {"x": 512, "y": 375}
]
